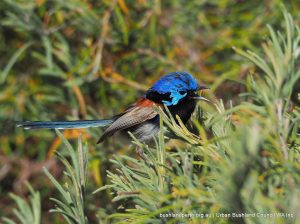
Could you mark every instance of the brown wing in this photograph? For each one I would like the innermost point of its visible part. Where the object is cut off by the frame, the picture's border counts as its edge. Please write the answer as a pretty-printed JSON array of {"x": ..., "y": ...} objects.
[{"x": 141, "y": 111}]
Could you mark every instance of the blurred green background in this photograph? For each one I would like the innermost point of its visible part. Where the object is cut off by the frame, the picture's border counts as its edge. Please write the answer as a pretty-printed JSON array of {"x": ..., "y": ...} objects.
[{"x": 84, "y": 59}]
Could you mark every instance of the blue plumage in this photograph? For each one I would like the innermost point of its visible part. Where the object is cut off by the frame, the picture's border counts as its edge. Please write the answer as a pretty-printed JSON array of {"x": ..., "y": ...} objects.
[
  {"x": 176, "y": 84},
  {"x": 63, "y": 124},
  {"x": 176, "y": 90}
]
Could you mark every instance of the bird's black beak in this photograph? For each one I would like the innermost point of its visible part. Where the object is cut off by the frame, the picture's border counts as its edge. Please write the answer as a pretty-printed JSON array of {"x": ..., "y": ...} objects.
[{"x": 197, "y": 97}]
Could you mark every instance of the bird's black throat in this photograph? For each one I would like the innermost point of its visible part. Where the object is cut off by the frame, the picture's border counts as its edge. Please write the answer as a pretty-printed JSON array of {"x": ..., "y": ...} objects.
[{"x": 184, "y": 109}]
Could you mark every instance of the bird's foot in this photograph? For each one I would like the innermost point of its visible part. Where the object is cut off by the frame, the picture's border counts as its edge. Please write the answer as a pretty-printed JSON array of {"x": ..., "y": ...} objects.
[
  {"x": 141, "y": 153},
  {"x": 143, "y": 156}
]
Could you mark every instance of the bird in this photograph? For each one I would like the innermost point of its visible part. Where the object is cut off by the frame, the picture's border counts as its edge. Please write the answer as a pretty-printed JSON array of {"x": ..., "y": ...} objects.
[{"x": 178, "y": 91}]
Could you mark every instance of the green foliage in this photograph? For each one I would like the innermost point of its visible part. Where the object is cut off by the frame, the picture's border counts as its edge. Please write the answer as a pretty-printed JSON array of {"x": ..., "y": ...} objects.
[
  {"x": 26, "y": 212},
  {"x": 72, "y": 204}
]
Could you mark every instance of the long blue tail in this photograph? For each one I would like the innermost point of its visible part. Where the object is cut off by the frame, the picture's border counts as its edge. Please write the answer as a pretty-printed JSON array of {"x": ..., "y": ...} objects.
[{"x": 63, "y": 124}]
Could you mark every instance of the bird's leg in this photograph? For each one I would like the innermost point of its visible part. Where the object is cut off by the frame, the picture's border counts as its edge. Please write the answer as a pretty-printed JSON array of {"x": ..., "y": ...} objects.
[
  {"x": 143, "y": 156},
  {"x": 141, "y": 153}
]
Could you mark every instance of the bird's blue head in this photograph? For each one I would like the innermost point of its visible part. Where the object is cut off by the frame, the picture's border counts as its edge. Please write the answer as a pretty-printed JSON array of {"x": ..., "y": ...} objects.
[{"x": 173, "y": 87}]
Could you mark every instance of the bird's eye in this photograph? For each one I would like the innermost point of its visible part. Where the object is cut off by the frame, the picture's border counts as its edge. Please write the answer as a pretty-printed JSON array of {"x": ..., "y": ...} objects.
[{"x": 182, "y": 92}]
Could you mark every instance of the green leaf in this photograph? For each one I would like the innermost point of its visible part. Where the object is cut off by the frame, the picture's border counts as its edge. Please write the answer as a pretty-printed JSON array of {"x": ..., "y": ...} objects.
[{"x": 12, "y": 61}]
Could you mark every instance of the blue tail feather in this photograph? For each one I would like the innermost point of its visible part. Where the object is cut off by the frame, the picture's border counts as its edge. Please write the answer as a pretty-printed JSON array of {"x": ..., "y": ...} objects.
[{"x": 63, "y": 124}]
